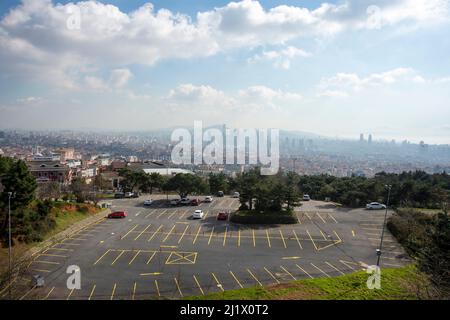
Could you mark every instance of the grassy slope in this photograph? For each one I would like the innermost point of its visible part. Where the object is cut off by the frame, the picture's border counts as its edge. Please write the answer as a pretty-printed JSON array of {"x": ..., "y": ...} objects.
[
  {"x": 65, "y": 216},
  {"x": 399, "y": 283}
]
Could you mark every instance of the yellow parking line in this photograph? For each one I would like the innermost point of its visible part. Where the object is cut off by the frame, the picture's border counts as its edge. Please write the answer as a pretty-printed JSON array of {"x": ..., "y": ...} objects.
[
  {"x": 270, "y": 274},
  {"x": 307, "y": 215},
  {"x": 92, "y": 292},
  {"x": 296, "y": 238},
  {"x": 70, "y": 294},
  {"x": 178, "y": 287},
  {"x": 60, "y": 249},
  {"x": 254, "y": 277},
  {"x": 134, "y": 291},
  {"x": 157, "y": 288},
  {"x": 172, "y": 214},
  {"x": 140, "y": 234},
  {"x": 323, "y": 235},
  {"x": 353, "y": 233},
  {"x": 131, "y": 230},
  {"x": 285, "y": 270},
  {"x": 206, "y": 213},
  {"x": 117, "y": 258},
  {"x": 268, "y": 238},
  {"x": 183, "y": 214},
  {"x": 150, "y": 213},
  {"x": 28, "y": 292},
  {"x": 98, "y": 260},
  {"x": 48, "y": 294},
  {"x": 225, "y": 236},
  {"x": 137, "y": 253},
  {"x": 331, "y": 216},
  {"x": 346, "y": 264},
  {"x": 211, "y": 235},
  {"x": 196, "y": 236},
  {"x": 159, "y": 216},
  {"x": 321, "y": 217},
  {"x": 335, "y": 268},
  {"x": 41, "y": 270},
  {"x": 339, "y": 238},
  {"x": 45, "y": 262},
  {"x": 168, "y": 235},
  {"x": 184, "y": 232},
  {"x": 311, "y": 239},
  {"x": 254, "y": 241},
  {"x": 299, "y": 219},
  {"x": 282, "y": 238},
  {"x": 236, "y": 279},
  {"x": 198, "y": 285},
  {"x": 113, "y": 291},
  {"x": 320, "y": 270},
  {"x": 51, "y": 255},
  {"x": 151, "y": 257},
  {"x": 218, "y": 283},
  {"x": 305, "y": 271},
  {"x": 154, "y": 233}
]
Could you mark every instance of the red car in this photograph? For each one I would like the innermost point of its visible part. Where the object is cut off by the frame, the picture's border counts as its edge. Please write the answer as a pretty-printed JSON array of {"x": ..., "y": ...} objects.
[
  {"x": 118, "y": 214},
  {"x": 222, "y": 216},
  {"x": 195, "y": 202}
]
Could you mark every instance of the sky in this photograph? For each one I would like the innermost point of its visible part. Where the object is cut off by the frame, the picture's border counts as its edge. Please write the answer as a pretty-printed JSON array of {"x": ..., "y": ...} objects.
[{"x": 337, "y": 68}]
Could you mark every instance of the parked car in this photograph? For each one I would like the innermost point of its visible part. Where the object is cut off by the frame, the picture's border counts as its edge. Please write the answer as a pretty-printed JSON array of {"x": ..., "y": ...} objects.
[
  {"x": 135, "y": 195},
  {"x": 148, "y": 202},
  {"x": 128, "y": 194},
  {"x": 185, "y": 202},
  {"x": 208, "y": 199},
  {"x": 220, "y": 194},
  {"x": 198, "y": 214},
  {"x": 306, "y": 197},
  {"x": 222, "y": 216},
  {"x": 375, "y": 206},
  {"x": 119, "y": 195},
  {"x": 236, "y": 195},
  {"x": 118, "y": 214},
  {"x": 195, "y": 202},
  {"x": 174, "y": 202}
]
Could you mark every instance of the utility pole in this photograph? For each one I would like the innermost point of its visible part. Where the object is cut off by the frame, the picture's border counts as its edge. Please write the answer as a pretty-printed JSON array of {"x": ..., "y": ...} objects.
[
  {"x": 10, "y": 195},
  {"x": 389, "y": 187}
]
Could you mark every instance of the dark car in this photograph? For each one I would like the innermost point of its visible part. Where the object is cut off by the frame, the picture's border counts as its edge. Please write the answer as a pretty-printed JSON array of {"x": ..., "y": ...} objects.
[
  {"x": 135, "y": 195},
  {"x": 195, "y": 202},
  {"x": 118, "y": 214},
  {"x": 119, "y": 195},
  {"x": 222, "y": 216},
  {"x": 220, "y": 194}
]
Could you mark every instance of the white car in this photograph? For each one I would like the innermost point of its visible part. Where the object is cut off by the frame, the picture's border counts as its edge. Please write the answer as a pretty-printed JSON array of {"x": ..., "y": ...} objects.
[
  {"x": 198, "y": 214},
  {"x": 375, "y": 206},
  {"x": 306, "y": 197},
  {"x": 236, "y": 195},
  {"x": 208, "y": 199},
  {"x": 148, "y": 202}
]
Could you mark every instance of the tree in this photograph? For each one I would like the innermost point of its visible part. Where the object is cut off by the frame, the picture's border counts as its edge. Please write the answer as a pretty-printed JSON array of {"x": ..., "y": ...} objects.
[
  {"x": 150, "y": 181},
  {"x": 185, "y": 184},
  {"x": 49, "y": 190},
  {"x": 79, "y": 188},
  {"x": 218, "y": 182}
]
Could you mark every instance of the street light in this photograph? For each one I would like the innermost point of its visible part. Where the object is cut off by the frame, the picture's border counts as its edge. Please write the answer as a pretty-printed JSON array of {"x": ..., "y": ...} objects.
[
  {"x": 389, "y": 187},
  {"x": 10, "y": 195}
]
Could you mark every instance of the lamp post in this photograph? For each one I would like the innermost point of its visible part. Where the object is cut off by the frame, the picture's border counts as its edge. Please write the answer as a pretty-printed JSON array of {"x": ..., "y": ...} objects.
[{"x": 389, "y": 187}]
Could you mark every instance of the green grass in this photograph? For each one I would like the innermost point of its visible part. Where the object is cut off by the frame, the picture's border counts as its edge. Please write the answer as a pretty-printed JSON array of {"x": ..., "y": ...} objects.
[{"x": 396, "y": 284}]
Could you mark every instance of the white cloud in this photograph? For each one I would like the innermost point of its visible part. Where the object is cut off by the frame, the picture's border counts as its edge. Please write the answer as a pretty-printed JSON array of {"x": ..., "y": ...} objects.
[
  {"x": 119, "y": 77},
  {"x": 281, "y": 58},
  {"x": 35, "y": 40},
  {"x": 340, "y": 84}
]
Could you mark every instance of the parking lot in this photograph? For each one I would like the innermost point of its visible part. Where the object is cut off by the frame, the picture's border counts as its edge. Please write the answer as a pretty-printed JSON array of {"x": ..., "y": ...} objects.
[{"x": 160, "y": 252}]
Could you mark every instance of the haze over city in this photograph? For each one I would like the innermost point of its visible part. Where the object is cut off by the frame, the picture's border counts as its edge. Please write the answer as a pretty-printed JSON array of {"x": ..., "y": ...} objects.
[{"x": 337, "y": 68}]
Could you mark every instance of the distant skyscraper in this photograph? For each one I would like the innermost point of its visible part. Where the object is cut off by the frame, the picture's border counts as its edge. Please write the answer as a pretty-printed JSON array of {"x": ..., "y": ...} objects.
[
  {"x": 361, "y": 137},
  {"x": 370, "y": 138}
]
